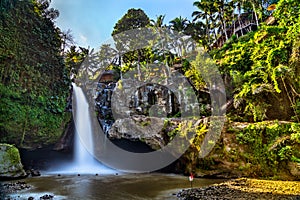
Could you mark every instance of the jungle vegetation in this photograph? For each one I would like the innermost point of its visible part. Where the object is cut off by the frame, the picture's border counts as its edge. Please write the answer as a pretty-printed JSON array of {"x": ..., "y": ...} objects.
[{"x": 260, "y": 68}]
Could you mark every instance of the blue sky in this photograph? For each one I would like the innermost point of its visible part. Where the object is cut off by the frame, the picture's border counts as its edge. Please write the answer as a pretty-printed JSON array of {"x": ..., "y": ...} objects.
[{"x": 92, "y": 21}]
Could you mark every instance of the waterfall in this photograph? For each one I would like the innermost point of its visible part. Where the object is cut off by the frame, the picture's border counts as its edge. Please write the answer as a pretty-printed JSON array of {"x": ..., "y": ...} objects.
[
  {"x": 83, "y": 158},
  {"x": 83, "y": 162}
]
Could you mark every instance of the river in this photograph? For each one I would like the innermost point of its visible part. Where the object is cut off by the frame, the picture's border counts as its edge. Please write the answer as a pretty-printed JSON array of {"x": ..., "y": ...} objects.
[{"x": 106, "y": 187}]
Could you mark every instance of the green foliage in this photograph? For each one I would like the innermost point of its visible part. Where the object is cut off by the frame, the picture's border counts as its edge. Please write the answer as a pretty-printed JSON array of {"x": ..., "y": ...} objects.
[
  {"x": 33, "y": 78},
  {"x": 185, "y": 129},
  {"x": 13, "y": 155},
  {"x": 269, "y": 144},
  {"x": 192, "y": 73},
  {"x": 28, "y": 120},
  {"x": 74, "y": 58},
  {"x": 287, "y": 12},
  {"x": 295, "y": 136},
  {"x": 134, "y": 18},
  {"x": 264, "y": 67},
  {"x": 285, "y": 153}
]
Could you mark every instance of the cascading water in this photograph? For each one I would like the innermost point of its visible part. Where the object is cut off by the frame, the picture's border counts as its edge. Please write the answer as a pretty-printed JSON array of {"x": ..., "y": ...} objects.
[
  {"x": 84, "y": 162},
  {"x": 83, "y": 159}
]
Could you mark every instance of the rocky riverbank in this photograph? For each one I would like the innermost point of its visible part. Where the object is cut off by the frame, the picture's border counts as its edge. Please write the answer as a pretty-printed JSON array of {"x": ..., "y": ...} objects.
[
  {"x": 9, "y": 188},
  {"x": 245, "y": 189},
  {"x": 13, "y": 187}
]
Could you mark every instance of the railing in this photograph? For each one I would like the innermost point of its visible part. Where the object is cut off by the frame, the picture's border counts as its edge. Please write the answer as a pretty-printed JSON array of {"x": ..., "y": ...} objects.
[
  {"x": 245, "y": 25},
  {"x": 234, "y": 29}
]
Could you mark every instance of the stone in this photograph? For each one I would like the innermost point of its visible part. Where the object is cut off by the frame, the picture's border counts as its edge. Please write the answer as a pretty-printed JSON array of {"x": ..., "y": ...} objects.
[
  {"x": 294, "y": 169},
  {"x": 10, "y": 162},
  {"x": 35, "y": 172},
  {"x": 47, "y": 196},
  {"x": 138, "y": 128}
]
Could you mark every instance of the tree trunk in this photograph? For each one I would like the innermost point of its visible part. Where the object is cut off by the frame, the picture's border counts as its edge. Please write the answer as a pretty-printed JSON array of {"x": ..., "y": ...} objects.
[
  {"x": 223, "y": 23},
  {"x": 138, "y": 66},
  {"x": 239, "y": 19},
  {"x": 255, "y": 14},
  {"x": 207, "y": 32},
  {"x": 224, "y": 29}
]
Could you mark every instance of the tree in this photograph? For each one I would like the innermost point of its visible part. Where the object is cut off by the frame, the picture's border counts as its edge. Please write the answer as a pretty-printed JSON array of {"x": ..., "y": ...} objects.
[
  {"x": 254, "y": 5},
  {"x": 179, "y": 24},
  {"x": 133, "y": 19},
  {"x": 224, "y": 10},
  {"x": 238, "y": 6},
  {"x": 206, "y": 11},
  {"x": 202, "y": 14},
  {"x": 159, "y": 22},
  {"x": 197, "y": 31},
  {"x": 67, "y": 40},
  {"x": 42, "y": 7},
  {"x": 74, "y": 57}
]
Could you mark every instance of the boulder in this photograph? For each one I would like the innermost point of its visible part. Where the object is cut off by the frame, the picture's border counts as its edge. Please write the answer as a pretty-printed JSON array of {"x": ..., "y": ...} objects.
[
  {"x": 10, "y": 162},
  {"x": 294, "y": 169},
  {"x": 138, "y": 128}
]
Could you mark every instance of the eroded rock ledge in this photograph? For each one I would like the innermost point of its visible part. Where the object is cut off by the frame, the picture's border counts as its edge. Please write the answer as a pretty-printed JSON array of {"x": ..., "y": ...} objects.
[
  {"x": 153, "y": 131},
  {"x": 146, "y": 129}
]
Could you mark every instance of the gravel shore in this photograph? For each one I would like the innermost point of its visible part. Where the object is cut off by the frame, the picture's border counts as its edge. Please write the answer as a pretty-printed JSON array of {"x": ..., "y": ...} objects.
[{"x": 245, "y": 189}]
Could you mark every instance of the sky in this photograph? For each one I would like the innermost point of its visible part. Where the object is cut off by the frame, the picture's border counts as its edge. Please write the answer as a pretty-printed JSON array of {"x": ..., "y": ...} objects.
[{"x": 92, "y": 21}]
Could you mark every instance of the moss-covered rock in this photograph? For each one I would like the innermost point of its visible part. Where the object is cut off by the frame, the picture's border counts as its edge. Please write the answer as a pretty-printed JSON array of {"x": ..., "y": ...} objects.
[
  {"x": 268, "y": 149},
  {"x": 10, "y": 162}
]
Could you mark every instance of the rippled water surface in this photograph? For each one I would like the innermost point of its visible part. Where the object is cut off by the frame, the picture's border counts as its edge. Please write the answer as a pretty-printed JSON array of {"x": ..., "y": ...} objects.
[{"x": 107, "y": 187}]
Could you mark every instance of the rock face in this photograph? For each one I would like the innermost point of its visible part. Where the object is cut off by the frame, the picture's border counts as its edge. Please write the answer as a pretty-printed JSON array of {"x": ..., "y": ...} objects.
[
  {"x": 10, "y": 162},
  {"x": 137, "y": 128},
  {"x": 66, "y": 141}
]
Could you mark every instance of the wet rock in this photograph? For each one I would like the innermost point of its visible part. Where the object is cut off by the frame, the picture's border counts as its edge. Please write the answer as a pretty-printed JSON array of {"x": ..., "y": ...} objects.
[
  {"x": 138, "y": 128},
  {"x": 47, "y": 196},
  {"x": 14, "y": 187},
  {"x": 10, "y": 162},
  {"x": 35, "y": 173}
]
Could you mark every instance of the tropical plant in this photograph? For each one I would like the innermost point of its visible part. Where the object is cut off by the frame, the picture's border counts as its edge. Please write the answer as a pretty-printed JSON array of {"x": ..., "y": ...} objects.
[{"x": 159, "y": 22}]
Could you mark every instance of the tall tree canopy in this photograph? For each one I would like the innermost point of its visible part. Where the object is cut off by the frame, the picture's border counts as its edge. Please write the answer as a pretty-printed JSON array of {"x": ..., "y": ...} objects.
[{"x": 134, "y": 18}]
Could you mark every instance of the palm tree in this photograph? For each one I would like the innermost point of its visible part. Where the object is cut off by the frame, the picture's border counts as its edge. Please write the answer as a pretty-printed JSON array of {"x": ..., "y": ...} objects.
[
  {"x": 206, "y": 11},
  {"x": 255, "y": 4},
  {"x": 159, "y": 22},
  {"x": 196, "y": 30},
  {"x": 221, "y": 6},
  {"x": 238, "y": 5},
  {"x": 179, "y": 24},
  {"x": 202, "y": 14}
]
